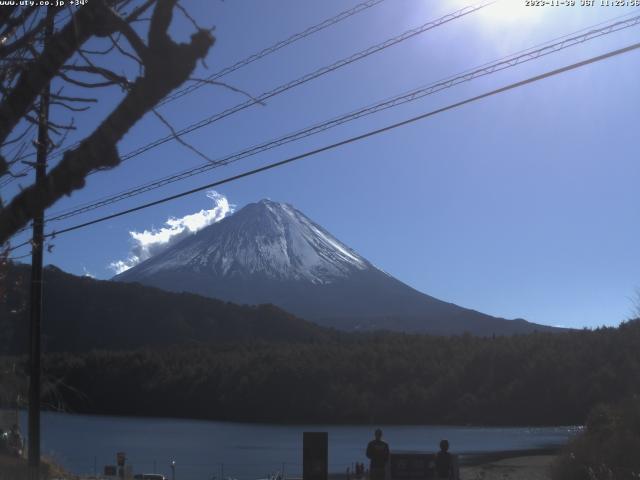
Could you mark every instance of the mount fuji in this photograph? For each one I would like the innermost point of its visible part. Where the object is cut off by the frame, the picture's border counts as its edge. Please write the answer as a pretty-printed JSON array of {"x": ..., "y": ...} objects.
[{"x": 269, "y": 252}]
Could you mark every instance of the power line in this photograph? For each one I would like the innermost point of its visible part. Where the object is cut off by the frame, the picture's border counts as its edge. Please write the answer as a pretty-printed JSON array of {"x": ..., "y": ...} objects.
[
  {"x": 273, "y": 48},
  {"x": 302, "y": 80},
  {"x": 499, "y": 65},
  {"x": 310, "y": 76},
  {"x": 356, "y": 138},
  {"x": 20, "y": 257},
  {"x": 236, "y": 66},
  {"x": 317, "y": 73},
  {"x": 299, "y": 81}
]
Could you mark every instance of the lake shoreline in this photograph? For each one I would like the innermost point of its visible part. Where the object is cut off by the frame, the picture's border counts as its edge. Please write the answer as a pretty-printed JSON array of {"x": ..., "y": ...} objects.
[
  {"x": 531, "y": 467},
  {"x": 484, "y": 458},
  {"x": 201, "y": 449},
  {"x": 260, "y": 423}
]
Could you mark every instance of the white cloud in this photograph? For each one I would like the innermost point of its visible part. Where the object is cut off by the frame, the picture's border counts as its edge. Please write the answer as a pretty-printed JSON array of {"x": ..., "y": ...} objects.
[
  {"x": 87, "y": 273},
  {"x": 151, "y": 242}
]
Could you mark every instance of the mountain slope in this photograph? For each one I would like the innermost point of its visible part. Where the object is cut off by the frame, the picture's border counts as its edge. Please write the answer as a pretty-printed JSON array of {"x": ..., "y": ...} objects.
[
  {"x": 83, "y": 314},
  {"x": 269, "y": 252}
]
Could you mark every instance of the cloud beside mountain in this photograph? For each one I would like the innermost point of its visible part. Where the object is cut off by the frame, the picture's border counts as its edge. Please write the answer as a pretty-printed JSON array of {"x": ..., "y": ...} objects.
[{"x": 148, "y": 243}]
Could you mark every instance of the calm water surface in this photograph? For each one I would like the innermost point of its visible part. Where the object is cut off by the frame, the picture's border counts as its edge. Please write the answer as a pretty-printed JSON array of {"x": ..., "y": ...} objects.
[{"x": 206, "y": 450}]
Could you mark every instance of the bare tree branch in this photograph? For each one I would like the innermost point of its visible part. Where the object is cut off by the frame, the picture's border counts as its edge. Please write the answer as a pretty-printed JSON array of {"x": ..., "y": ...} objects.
[
  {"x": 188, "y": 16},
  {"x": 179, "y": 139},
  {"x": 133, "y": 16},
  {"x": 80, "y": 83},
  {"x": 98, "y": 52},
  {"x": 117, "y": 46},
  {"x": 111, "y": 77},
  {"x": 24, "y": 39},
  {"x": 167, "y": 66},
  {"x": 18, "y": 138},
  {"x": 73, "y": 99},
  {"x": 132, "y": 37},
  {"x": 11, "y": 24},
  {"x": 88, "y": 21},
  {"x": 226, "y": 85},
  {"x": 68, "y": 107}
]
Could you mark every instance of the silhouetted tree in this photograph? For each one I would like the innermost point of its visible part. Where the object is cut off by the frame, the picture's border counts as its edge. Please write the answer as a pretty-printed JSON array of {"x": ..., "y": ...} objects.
[
  {"x": 27, "y": 67},
  {"x": 535, "y": 379}
]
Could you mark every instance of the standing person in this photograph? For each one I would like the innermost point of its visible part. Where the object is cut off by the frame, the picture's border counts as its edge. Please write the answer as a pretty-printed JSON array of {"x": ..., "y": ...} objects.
[
  {"x": 444, "y": 462},
  {"x": 378, "y": 453}
]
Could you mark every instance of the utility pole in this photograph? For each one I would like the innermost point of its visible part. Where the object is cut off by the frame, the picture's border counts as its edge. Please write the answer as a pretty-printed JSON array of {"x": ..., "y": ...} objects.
[{"x": 36, "y": 278}]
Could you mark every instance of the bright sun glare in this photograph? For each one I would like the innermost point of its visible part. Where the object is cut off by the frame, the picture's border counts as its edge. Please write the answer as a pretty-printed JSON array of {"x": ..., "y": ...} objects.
[
  {"x": 508, "y": 10},
  {"x": 501, "y": 11}
]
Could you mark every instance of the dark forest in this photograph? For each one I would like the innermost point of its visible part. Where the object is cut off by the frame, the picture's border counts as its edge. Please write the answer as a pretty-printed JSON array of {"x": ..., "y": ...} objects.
[{"x": 536, "y": 379}]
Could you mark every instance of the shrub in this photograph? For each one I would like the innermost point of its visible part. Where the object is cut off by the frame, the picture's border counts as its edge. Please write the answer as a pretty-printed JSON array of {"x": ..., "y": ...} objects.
[{"x": 607, "y": 449}]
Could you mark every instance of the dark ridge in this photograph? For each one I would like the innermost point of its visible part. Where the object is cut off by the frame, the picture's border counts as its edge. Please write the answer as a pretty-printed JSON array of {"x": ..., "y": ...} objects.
[{"x": 81, "y": 314}]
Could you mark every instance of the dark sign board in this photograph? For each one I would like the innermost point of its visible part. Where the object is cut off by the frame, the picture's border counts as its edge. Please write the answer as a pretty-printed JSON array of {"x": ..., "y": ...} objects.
[
  {"x": 412, "y": 466},
  {"x": 315, "y": 455}
]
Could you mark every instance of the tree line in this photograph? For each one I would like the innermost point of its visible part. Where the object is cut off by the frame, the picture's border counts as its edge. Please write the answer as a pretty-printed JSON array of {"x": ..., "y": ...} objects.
[
  {"x": 534, "y": 379},
  {"x": 82, "y": 314}
]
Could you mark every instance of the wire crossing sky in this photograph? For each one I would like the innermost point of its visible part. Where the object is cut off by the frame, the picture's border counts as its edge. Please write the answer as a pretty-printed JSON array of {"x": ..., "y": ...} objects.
[
  {"x": 237, "y": 65},
  {"x": 260, "y": 99},
  {"x": 520, "y": 205},
  {"x": 273, "y": 48},
  {"x": 509, "y": 62},
  {"x": 351, "y": 140}
]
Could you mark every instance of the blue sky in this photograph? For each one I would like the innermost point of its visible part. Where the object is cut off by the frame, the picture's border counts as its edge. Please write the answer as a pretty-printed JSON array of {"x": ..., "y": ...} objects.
[{"x": 520, "y": 205}]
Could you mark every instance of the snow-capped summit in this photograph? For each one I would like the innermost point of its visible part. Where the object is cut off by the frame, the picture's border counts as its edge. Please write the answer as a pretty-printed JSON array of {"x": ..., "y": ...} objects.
[
  {"x": 266, "y": 238},
  {"x": 269, "y": 252}
]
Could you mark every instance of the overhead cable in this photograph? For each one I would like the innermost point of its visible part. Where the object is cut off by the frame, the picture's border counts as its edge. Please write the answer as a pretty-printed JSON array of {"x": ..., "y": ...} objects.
[
  {"x": 236, "y": 66},
  {"x": 413, "y": 95},
  {"x": 353, "y": 139}
]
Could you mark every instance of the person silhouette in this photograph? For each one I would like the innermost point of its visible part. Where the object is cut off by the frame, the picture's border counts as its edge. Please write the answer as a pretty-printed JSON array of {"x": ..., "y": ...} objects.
[
  {"x": 444, "y": 462},
  {"x": 378, "y": 453}
]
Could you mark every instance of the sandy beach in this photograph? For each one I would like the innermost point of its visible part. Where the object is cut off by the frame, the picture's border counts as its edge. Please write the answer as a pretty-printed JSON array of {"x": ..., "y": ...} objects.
[{"x": 534, "y": 467}]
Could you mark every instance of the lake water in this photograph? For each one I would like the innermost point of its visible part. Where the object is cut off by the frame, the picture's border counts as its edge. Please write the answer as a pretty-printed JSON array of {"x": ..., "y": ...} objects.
[{"x": 204, "y": 450}]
